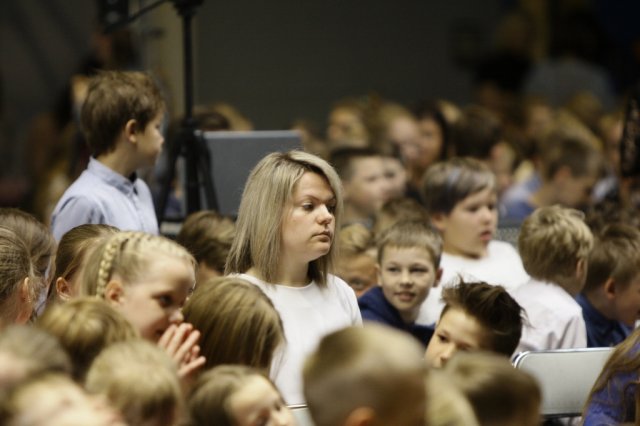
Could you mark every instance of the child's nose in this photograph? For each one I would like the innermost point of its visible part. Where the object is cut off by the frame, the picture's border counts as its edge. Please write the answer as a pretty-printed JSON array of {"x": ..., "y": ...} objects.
[
  {"x": 176, "y": 317},
  {"x": 446, "y": 355}
]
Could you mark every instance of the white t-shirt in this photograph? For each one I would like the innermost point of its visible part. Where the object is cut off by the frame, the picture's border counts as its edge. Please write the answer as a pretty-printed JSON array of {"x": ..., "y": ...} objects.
[
  {"x": 555, "y": 318},
  {"x": 501, "y": 266},
  {"x": 308, "y": 313}
]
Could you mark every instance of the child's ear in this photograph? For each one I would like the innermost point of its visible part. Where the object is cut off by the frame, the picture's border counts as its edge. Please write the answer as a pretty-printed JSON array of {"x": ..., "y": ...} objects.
[
  {"x": 131, "y": 130},
  {"x": 379, "y": 274},
  {"x": 114, "y": 292},
  {"x": 63, "y": 289},
  {"x": 436, "y": 283},
  {"x": 610, "y": 289},
  {"x": 26, "y": 304},
  {"x": 361, "y": 416},
  {"x": 438, "y": 221}
]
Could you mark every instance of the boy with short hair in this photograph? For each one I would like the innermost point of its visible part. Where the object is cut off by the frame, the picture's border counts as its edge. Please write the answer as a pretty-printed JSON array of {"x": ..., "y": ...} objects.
[
  {"x": 554, "y": 243},
  {"x": 461, "y": 198},
  {"x": 121, "y": 119},
  {"x": 366, "y": 376},
  {"x": 569, "y": 168},
  {"x": 476, "y": 316},
  {"x": 365, "y": 187},
  {"x": 610, "y": 299},
  {"x": 408, "y": 266}
]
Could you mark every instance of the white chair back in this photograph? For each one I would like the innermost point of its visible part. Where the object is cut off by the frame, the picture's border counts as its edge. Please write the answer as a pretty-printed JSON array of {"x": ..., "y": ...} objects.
[{"x": 566, "y": 377}]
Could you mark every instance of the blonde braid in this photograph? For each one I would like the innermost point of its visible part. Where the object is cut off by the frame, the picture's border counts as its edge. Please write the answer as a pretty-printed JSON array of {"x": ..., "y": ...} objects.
[{"x": 109, "y": 254}]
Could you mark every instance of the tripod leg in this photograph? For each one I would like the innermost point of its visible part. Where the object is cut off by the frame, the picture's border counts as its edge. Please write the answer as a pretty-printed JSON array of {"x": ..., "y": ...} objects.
[{"x": 174, "y": 153}]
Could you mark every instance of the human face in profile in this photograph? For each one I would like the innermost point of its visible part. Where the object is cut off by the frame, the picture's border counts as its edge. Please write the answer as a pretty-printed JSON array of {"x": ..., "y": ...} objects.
[
  {"x": 308, "y": 223},
  {"x": 456, "y": 331},
  {"x": 258, "y": 403}
]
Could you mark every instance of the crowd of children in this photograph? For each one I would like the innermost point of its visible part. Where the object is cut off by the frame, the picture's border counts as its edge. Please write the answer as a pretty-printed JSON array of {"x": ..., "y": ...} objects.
[{"x": 370, "y": 285}]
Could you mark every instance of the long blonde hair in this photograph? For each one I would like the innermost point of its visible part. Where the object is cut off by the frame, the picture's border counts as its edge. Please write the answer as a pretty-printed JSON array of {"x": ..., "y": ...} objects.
[
  {"x": 269, "y": 187},
  {"x": 127, "y": 254}
]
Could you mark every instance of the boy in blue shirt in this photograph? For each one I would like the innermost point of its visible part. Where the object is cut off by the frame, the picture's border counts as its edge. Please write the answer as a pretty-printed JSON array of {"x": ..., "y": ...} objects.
[
  {"x": 610, "y": 299},
  {"x": 121, "y": 119},
  {"x": 408, "y": 266}
]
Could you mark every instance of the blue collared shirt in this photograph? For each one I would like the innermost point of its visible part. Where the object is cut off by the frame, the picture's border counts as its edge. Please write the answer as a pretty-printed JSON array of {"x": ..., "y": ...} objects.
[
  {"x": 601, "y": 331},
  {"x": 101, "y": 195}
]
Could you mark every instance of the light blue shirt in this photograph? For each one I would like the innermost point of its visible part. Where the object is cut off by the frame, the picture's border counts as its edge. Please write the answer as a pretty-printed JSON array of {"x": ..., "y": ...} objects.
[{"x": 103, "y": 196}]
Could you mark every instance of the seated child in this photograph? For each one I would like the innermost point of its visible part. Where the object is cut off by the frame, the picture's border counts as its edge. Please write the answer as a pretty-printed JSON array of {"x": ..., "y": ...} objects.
[
  {"x": 27, "y": 351},
  {"x": 121, "y": 119},
  {"x": 41, "y": 246},
  {"x": 408, "y": 266},
  {"x": 554, "y": 243},
  {"x": 499, "y": 394},
  {"x": 234, "y": 395},
  {"x": 357, "y": 262},
  {"x": 460, "y": 196},
  {"x": 140, "y": 381},
  {"x": 84, "y": 327},
  {"x": 208, "y": 237},
  {"x": 398, "y": 210},
  {"x": 610, "y": 299},
  {"x": 476, "y": 316},
  {"x": 70, "y": 256},
  {"x": 17, "y": 294},
  {"x": 366, "y": 376},
  {"x": 147, "y": 278},
  {"x": 365, "y": 188},
  {"x": 55, "y": 400},
  {"x": 238, "y": 322},
  {"x": 569, "y": 168},
  {"x": 613, "y": 398},
  {"x": 446, "y": 404}
]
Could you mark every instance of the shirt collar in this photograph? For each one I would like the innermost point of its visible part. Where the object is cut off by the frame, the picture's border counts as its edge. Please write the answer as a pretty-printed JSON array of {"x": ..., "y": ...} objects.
[{"x": 123, "y": 184}]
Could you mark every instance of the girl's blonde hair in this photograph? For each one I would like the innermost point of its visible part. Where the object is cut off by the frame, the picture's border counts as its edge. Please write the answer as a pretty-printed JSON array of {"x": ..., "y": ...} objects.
[
  {"x": 72, "y": 250},
  {"x": 267, "y": 194},
  {"x": 209, "y": 399},
  {"x": 128, "y": 255},
  {"x": 39, "y": 242},
  {"x": 238, "y": 322},
  {"x": 15, "y": 267},
  {"x": 140, "y": 380},
  {"x": 84, "y": 327}
]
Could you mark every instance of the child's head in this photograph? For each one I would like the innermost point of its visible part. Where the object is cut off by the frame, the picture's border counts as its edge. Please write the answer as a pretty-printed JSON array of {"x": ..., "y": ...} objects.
[
  {"x": 357, "y": 262},
  {"x": 460, "y": 196},
  {"x": 234, "y": 395},
  {"x": 373, "y": 374},
  {"x": 70, "y": 257},
  {"x": 27, "y": 351},
  {"x": 408, "y": 266},
  {"x": 433, "y": 141},
  {"x": 140, "y": 380},
  {"x": 397, "y": 210},
  {"x": 271, "y": 194},
  {"x": 54, "y": 400},
  {"x": 145, "y": 277},
  {"x": 554, "y": 244},
  {"x": 238, "y": 322},
  {"x": 613, "y": 272},
  {"x": 499, "y": 394},
  {"x": 476, "y": 316},
  {"x": 113, "y": 99},
  {"x": 571, "y": 165},
  {"x": 84, "y": 327},
  {"x": 349, "y": 124},
  {"x": 208, "y": 237},
  {"x": 17, "y": 292},
  {"x": 446, "y": 404},
  {"x": 40, "y": 243},
  {"x": 361, "y": 171}
]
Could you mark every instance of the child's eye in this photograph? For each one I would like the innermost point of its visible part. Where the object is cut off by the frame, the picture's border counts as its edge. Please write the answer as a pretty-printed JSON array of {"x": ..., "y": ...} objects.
[
  {"x": 393, "y": 269},
  {"x": 165, "y": 300},
  {"x": 443, "y": 338},
  {"x": 419, "y": 270}
]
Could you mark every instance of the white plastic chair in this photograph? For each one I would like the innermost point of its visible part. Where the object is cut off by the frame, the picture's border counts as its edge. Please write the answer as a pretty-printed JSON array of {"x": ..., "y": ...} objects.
[{"x": 566, "y": 377}]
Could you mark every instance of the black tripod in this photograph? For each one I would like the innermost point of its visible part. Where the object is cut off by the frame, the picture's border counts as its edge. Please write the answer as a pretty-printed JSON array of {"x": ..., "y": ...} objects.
[{"x": 187, "y": 143}]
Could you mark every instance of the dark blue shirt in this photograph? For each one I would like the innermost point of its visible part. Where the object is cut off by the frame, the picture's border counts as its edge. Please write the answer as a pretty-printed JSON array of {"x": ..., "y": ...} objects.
[
  {"x": 375, "y": 307},
  {"x": 601, "y": 331}
]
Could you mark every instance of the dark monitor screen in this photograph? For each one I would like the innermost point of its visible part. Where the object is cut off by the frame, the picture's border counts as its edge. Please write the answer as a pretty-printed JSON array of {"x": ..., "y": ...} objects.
[{"x": 234, "y": 154}]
